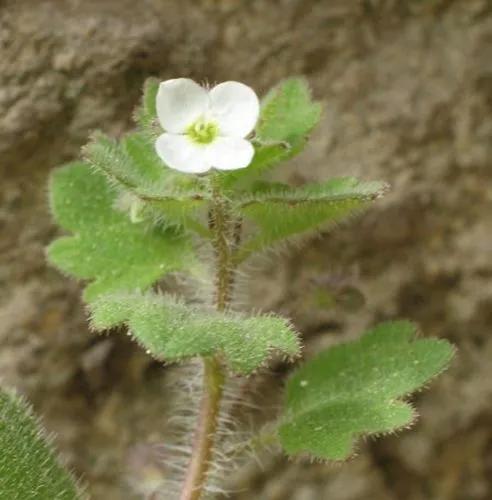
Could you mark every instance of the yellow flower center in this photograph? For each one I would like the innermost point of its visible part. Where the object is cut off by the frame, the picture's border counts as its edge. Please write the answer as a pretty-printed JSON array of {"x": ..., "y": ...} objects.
[{"x": 203, "y": 132}]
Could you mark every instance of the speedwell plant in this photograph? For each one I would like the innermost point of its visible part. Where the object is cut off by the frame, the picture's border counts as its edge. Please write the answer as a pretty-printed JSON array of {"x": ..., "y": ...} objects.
[{"x": 188, "y": 194}]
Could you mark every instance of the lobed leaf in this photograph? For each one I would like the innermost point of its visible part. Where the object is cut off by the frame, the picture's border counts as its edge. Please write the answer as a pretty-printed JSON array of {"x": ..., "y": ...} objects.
[
  {"x": 172, "y": 331},
  {"x": 288, "y": 115},
  {"x": 356, "y": 389},
  {"x": 106, "y": 247},
  {"x": 29, "y": 468},
  {"x": 280, "y": 212}
]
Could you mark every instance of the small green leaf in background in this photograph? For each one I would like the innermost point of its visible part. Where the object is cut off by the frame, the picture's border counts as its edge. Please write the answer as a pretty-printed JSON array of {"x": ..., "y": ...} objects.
[
  {"x": 288, "y": 115},
  {"x": 172, "y": 331},
  {"x": 356, "y": 389},
  {"x": 29, "y": 468},
  {"x": 282, "y": 212},
  {"x": 106, "y": 247}
]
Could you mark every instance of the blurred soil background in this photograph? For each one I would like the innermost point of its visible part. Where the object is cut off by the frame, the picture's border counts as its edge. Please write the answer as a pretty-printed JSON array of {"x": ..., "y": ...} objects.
[{"x": 407, "y": 91}]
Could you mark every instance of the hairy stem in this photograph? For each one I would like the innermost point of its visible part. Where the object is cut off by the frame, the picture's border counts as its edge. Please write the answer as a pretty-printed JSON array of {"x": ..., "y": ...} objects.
[
  {"x": 222, "y": 228},
  {"x": 196, "y": 475}
]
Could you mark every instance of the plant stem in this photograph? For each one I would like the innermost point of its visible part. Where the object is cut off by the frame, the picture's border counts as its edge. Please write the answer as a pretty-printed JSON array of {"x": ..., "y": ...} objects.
[
  {"x": 221, "y": 227},
  {"x": 196, "y": 475}
]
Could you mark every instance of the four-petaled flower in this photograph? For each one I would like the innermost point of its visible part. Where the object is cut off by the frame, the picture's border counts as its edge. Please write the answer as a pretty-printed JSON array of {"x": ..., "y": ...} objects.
[{"x": 205, "y": 128}]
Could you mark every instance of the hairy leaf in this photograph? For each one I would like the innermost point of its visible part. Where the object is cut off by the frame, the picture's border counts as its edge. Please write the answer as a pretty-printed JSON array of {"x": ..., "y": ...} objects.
[
  {"x": 280, "y": 212},
  {"x": 140, "y": 151},
  {"x": 356, "y": 389},
  {"x": 146, "y": 114},
  {"x": 133, "y": 166},
  {"x": 29, "y": 468},
  {"x": 288, "y": 115},
  {"x": 266, "y": 156},
  {"x": 124, "y": 164},
  {"x": 106, "y": 247},
  {"x": 171, "y": 330}
]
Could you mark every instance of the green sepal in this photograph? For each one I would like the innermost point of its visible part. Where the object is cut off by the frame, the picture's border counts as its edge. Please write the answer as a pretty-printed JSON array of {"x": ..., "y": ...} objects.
[
  {"x": 106, "y": 247},
  {"x": 358, "y": 388},
  {"x": 29, "y": 467},
  {"x": 173, "y": 331}
]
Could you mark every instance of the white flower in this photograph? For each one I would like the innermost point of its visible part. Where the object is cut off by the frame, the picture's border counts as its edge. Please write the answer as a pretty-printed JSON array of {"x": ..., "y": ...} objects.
[{"x": 205, "y": 129}]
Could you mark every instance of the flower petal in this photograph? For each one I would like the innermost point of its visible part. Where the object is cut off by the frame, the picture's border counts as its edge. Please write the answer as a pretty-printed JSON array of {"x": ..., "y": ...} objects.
[
  {"x": 230, "y": 153},
  {"x": 180, "y": 102},
  {"x": 179, "y": 153},
  {"x": 235, "y": 107}
]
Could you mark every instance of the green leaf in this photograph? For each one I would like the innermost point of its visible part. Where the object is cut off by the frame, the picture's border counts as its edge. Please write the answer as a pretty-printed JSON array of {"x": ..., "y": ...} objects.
[
  {"x": 356, "y": 389},
  {"x": 288, "y": 115},
  {"x": 29, "y": 468},
  {"x": 106, "y": 247},
  {"x": 146, "y": 114},
  {"x": 172, "y": 331},
  {"x": 129, "y": 164},
  {"x": 149, "y": 169},
  {"x": 282, "y": 212},
  {"x": 266, "y": 156},
  {"x": 133, "y": 166}
]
